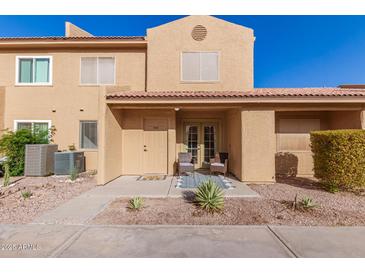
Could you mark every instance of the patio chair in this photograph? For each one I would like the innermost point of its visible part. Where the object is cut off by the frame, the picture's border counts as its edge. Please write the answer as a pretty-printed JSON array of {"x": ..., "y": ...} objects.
[
  {"x": 219, "y": 164},
  {"x": 185, "y": 164}
]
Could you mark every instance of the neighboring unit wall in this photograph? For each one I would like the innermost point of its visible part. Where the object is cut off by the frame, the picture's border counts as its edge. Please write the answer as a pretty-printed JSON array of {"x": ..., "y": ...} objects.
[
  {"x": 66, "y": 102},
  {"x": 258, "y": 145},
  {"x": 233, "y": 42},
  {"x": 344, "y": 119},
  {"x": 294, "y": 156}
]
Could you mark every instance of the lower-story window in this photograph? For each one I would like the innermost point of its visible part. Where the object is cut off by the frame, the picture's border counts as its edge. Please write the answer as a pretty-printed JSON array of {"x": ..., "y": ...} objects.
[
  {"x": 88, "y": 135},
  {"x": 33, "y": 125}
]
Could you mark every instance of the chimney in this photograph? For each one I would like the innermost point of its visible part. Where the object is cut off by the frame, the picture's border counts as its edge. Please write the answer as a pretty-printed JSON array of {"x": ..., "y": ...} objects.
[{"x": 72, "y": 30}]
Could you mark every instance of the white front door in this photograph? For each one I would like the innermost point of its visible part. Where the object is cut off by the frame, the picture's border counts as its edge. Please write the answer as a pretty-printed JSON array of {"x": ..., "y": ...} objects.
[{"x": 155, "y": 146}]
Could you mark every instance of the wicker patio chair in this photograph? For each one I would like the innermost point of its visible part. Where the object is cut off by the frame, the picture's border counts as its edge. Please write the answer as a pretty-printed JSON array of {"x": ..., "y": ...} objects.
[
  {"x": 219, "y": 164},
  {"x": 185, "y": 164}
]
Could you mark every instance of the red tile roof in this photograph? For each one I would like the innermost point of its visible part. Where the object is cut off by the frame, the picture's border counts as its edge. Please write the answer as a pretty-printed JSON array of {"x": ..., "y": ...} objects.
[
  {"x": 63, "y": 38},
  {"x": 257, "y": 92}
]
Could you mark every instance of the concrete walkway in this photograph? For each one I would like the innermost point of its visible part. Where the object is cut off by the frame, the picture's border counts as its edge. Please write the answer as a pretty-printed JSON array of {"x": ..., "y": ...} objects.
[
  {"x": 81, "y": 209},
  {"x": 180, "y": 241}
]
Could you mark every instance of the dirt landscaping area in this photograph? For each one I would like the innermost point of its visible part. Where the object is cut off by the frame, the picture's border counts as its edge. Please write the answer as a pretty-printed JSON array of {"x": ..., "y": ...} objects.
[
  {"x": 273, "y": 207},
  {"x": 44, "y": 193}
]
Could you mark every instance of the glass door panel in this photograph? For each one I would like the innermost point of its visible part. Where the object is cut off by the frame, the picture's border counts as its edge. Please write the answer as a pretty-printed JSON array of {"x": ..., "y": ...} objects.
[
  {"x": 209, "y": 142},
  {"x": 192, "y": 141}
]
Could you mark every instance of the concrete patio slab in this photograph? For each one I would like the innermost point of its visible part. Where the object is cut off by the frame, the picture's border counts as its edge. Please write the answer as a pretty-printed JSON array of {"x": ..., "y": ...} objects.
[
  {"x": 34, "y": 240},
  {"x": 239, "y": 190},
  {"x": 323, "y": 242},
  {"x": 176, "y": 241},
  {"x": 130, "y": 186}
]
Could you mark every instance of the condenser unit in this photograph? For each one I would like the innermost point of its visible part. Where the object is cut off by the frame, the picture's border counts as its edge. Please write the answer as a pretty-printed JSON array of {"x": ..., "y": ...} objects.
[
  {"x": 39, "y": 159},
  {"x": 66, "y": 162}
]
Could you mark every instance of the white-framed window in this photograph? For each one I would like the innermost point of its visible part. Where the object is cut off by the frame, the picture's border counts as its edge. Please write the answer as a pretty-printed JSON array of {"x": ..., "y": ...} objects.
[
  {"x": 97, "y": 71},
  {"x": 88, "y": 134},
  {"x": 200, "y": 66},
  {"x": 33, "y": 125},
  {"x": 33, "y": 70}
]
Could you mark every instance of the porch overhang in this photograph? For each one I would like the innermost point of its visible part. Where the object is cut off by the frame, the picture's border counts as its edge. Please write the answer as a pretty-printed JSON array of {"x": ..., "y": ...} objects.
[{"x": 254, "y": 96}]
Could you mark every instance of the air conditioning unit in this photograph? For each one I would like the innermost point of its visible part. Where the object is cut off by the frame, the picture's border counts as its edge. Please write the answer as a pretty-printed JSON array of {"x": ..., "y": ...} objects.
[
  {"x": 66, "y": 162},
  {"x": 39, "y": 159}
]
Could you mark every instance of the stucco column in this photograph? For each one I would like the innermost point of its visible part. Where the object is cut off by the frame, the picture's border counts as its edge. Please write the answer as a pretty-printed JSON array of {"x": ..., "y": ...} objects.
[
  {"x": 109, "y": 142},
  {"x": 362, "y": 119},
  {"x": 258, "y": 145},
  {"x": 171, "y": 143}
]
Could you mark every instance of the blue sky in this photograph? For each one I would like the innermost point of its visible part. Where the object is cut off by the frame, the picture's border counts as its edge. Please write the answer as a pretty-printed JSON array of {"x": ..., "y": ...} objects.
[{"x": 290, "y": 51}]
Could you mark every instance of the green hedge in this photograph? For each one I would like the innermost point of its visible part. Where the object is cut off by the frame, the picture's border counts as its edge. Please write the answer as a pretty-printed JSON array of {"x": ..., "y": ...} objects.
[
  {"x": 12, "y": 145},
  {"x": 339, "y": 158}
]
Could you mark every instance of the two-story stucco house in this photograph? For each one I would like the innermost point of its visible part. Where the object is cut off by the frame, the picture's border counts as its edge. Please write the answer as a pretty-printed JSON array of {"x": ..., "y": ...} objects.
[{"x": 133, "y": 103}]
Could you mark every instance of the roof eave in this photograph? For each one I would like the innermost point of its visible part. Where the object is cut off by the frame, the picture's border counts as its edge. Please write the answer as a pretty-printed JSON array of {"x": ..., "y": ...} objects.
[
  {"x": 72, "y": 44},
  {"x": 252, "y": 100}
]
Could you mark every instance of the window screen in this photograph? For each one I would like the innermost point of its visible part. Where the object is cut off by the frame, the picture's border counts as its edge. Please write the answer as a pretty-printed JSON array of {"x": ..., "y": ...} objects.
[
  {"x": 89, "y": 70},
  {"x": 199, "y": 66},
  {"x": 88, "y": 134},
  {"x": 97, "y": 70}
]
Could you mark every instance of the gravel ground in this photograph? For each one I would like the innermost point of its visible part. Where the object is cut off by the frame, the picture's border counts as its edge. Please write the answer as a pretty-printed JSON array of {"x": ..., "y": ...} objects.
[
  {"x": 47, "y": 193},
  {"x": 273, "y": 207}
]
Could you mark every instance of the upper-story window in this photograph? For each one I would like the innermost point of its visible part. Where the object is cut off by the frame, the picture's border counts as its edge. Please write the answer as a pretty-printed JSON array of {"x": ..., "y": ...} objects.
[
  {"x": 34, "y": 70},
  {"x": 200, "y": 66},
  {"x": 97, "y": 71}
]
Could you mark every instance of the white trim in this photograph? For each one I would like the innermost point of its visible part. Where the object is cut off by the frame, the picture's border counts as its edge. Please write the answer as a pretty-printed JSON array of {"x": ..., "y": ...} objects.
[
  {"x": 31, "y": 121},
  {"x": 200, "y": 81},
  {"x": 97, "y": 84},
  {"x": 50, "y": 72}
]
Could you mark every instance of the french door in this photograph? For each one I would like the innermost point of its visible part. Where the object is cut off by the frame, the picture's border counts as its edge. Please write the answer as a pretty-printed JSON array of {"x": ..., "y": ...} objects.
[{"x": 201, "y": 141}]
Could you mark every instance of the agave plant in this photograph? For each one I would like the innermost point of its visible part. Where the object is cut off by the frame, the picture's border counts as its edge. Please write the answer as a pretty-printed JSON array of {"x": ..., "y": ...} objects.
[
  {"x": 26, "y": 194},
  {"x": 307, "y": 203},
  {"x": 209, "y": 196},
  {"x": 136, "y": 203}
]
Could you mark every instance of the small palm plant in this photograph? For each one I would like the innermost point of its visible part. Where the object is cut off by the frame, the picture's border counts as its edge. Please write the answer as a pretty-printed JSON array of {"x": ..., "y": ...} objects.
[
  {"x": 136, "y": 203},
  {"x": 307, "y": 203},
  {"x": 209, "y": 196}
]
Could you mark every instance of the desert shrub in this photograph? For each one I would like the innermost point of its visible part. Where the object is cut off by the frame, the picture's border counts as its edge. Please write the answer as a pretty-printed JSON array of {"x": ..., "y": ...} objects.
[
  {"x": 339, "y": 158},
  {"x": 209, "y": 196},
  {"x": 26, "y": 194},
  {"x": 307, "y": 203},
  {"x": 12, "y": 145},
  {"x": 74, "y": 174},
  {"x": 135, "y": 203},
  {"x": 6, "y": 174}
]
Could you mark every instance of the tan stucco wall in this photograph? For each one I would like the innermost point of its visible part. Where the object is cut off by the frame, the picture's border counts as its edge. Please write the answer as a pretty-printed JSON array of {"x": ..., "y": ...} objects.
[
  {"x": 234, "y": 142},
  {"x": 71, "y": 101},
  {"x": 233, "y": 42},
  {"x": 258, "y": 145},
  {"x": 2, "y": 107},
  {"x": 344, "y": 120}
]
